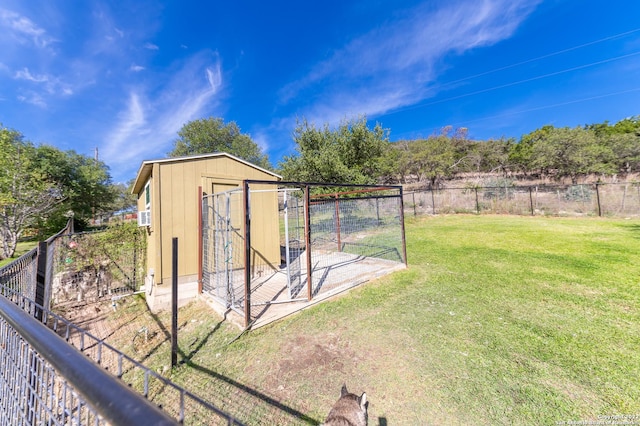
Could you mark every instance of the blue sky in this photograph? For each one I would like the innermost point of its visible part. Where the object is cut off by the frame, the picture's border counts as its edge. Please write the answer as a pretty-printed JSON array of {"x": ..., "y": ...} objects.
[{"x": 125, "y": 76}]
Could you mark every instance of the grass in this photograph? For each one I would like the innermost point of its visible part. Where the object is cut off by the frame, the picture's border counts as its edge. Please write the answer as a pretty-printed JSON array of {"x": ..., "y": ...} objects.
[
  {"x": 22, "y": 248},
  {"x": 497, "y": 320}
]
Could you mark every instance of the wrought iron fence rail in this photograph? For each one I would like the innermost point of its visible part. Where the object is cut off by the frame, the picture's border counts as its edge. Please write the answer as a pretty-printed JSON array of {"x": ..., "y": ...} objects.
[
  {"x": 137, "y": 376},
  {"x": 55, "y": 372},
  {"x": 44, "y": 370}
]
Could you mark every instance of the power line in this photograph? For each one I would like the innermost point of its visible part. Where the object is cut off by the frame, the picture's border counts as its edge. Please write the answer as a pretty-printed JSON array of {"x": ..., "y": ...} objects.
[
  {"x": 558, "y": 52},
  {"x": 575, "y": 101},
  {"x": 548, "y": 55},
  {"x": 526, "y": 80},
  {"x": 502, "y": 86},
  {"x": 465, "y": 123}
]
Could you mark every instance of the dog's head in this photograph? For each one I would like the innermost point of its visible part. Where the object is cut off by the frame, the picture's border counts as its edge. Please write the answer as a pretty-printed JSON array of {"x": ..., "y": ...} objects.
[{"x": 350, "y": 409}]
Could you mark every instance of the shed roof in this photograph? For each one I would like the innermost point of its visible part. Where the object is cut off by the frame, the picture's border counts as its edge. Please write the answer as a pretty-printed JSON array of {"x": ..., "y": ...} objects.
[{"x": 147, "y": 165}]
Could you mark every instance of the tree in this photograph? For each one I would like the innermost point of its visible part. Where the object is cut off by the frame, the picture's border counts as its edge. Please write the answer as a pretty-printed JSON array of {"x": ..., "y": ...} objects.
[
  {"x": 522, "y": 154},
  {"x": 26, "y": 194},
  {"x": 625, "y": 148},
  {"x": 124, "y": 200},
  {"x": 571, "y": 152},
  {"x": 491, "y": 155},
  {"x": 630, "y": 125},
  {"x": 209, "y": 135},
  {"x": 433, "y": 159},
  {"x": 351, "y": 153},
  {"x": 395, "y": 162},
  {"x": 84, "y": 182}
]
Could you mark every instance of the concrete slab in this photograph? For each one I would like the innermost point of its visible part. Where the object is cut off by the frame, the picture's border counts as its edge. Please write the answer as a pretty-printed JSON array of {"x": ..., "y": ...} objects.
[{"x": 271, "y": 298}]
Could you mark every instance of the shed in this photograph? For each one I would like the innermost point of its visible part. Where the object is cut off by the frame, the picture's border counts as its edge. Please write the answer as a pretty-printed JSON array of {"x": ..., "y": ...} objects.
[{"x": 169, "y": 201}]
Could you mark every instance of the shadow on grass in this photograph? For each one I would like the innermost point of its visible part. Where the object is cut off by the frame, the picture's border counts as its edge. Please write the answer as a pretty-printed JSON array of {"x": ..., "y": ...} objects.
[
  {"x": 234, "y": 397},
  {"x": 634, "y": 228},
  {"x": 275, "y": 409}
]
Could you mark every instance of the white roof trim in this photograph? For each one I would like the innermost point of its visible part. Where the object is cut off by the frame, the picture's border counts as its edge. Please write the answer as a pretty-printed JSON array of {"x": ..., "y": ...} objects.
[
  {"x": 203, "y": 156},
  {"x": 149, "y": 163}
]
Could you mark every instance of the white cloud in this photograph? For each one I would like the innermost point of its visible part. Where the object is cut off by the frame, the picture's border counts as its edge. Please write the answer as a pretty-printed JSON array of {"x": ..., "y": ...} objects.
[
  {"x": 151, "y": 46},
  {"x": 262, "y": 140},
  {"x": 33, "y": 99},
  {"x": 396, "y": 64},
  {"x": 23, "y": 29},
  {"x": 51, "y": 84},
  {"x": 136, "y": 68},
  {"x": 147, "y": 126},
  {"x": 132, "y": 122},
  {"x": 25, "y": 74},
  {"x": 214, "y": 77}
]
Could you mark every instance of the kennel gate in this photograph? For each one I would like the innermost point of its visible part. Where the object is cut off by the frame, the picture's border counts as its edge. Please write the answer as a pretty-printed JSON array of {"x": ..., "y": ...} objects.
[
  {"x": 223, "y": 268},
  {"x": 221, "y": 272}
]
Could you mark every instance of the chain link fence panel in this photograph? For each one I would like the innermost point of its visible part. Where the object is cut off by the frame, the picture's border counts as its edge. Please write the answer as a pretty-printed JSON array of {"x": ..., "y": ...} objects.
[{"x": 611, "y": 200}]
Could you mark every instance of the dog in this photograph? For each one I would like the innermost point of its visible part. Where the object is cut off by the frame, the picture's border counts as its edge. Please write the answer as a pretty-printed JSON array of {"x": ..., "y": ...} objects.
[{"x": 349, "y": 410}]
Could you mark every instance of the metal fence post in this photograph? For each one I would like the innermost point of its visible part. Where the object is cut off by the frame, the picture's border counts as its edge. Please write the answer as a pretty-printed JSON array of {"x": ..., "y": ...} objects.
[
  {"x": 433, "y": 202},
  {"x": 200, "y": 245},
  {"x": 174, "y": 302},
  {"x": 247, "y": 253},
  {"x": 307, "y": 239},
  {"x": 337, "y": 205},
  {"x": 413, "y": 195},
  {"x": 531, "y": 201},
  {"x": 402, "y": 227},
  {"x": 477, "y": 202},
  {"x": 41, "y": 279}
]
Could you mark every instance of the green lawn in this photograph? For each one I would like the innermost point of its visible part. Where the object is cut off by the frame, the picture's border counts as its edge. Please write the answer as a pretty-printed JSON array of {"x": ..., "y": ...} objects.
[
  {"x": 22, "y": 248},
  {"x": 497, "y": 320}
]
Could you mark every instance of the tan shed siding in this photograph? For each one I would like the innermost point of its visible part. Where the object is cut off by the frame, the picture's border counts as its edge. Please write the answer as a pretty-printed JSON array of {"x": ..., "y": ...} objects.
[
  {"x": 155, "y": 242},
  {"x": 175, "y": 203},
  {"x": 265, "y": 235},
  {"x": 185, "y": 223},
  {"x": 191, "y": 203},
  {"x": 179, "y": 187},
  {"x": 173, "y": 217}
]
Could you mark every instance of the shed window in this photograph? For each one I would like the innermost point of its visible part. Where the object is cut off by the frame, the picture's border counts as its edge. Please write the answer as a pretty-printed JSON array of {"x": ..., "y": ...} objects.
[{"x": 147, "y": 195}]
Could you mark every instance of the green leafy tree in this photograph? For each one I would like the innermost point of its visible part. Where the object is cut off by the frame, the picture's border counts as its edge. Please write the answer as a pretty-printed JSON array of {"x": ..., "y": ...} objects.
[
  {"x": 571, "y": 152},
  {"x": 433, "y": 159},
  {"x": 522, "y": 154},
  {"x": 351, "y": 153},
  {"x": 625, "y": 149},
  {"x": 491, "y": 156},
  {"x": 26, "y": 194},
  {"x": 209, "y": 135},
  {"x": 84, "y": 183},
  {"x": 124, "y": 200},
  {"x": 630, "y": 125},
  {"x": 395, "y": 162}
]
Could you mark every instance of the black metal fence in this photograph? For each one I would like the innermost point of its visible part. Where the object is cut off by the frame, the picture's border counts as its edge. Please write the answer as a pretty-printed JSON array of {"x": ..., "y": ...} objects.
[
  {"x": 45, "y": 381},
  {"x": 611, "y": 200},
  {"x": 54, "y": 372}
]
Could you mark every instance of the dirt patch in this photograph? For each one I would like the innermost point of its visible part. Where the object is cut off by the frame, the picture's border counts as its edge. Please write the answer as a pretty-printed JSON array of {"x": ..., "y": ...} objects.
[{"x": 317, "y": 355}]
